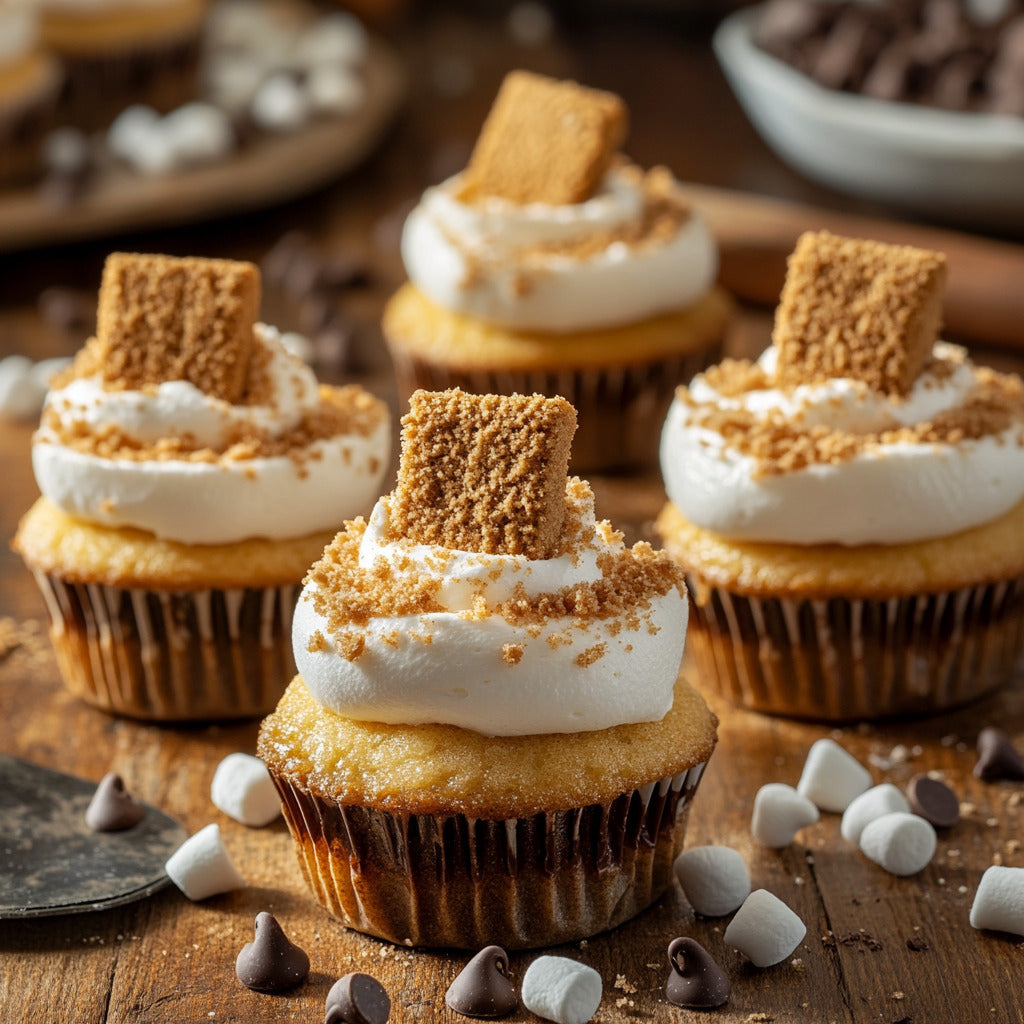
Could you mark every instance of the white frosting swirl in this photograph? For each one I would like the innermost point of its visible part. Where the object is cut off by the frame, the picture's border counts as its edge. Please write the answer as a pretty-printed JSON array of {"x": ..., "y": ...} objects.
[
  {"x": 223, "y": 500},
  {"x": 891, "y": 493},
  {"x": 475, "y": 258},
  {"x": 448, "y": 666}
]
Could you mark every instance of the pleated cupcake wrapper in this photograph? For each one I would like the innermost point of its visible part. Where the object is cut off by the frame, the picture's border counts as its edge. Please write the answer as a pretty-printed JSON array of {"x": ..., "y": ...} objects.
[
  {"x": 620, "y": 408},
  {"x": 172, "y": 655},
  {"x": 162, "y": 75},
  {"x": 839, "y": 659},
  {"x": 463, "y": 882}
]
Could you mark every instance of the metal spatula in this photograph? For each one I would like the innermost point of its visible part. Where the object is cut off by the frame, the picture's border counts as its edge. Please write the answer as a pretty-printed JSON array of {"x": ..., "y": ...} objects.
[{"x": 52, "y": 863}]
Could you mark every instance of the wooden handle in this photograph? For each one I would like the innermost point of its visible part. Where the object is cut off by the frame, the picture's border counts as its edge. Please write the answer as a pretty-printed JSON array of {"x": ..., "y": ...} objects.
[{"x": 984, "y": 289}]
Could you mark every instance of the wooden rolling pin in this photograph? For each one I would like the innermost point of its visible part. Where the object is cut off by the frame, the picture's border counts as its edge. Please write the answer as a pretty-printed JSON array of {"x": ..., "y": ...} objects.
[{"x": 984, "y": 290}]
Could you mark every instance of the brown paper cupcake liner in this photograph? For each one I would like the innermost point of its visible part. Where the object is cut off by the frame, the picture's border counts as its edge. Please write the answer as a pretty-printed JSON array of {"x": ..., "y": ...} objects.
[
  {"x": 462, "y": 882},
  {"x": 620, "y": 409},
  {"x": 838, "y": 659},
  {"x": 98, "y": 86},
  {"x": 172, "y": 655}
]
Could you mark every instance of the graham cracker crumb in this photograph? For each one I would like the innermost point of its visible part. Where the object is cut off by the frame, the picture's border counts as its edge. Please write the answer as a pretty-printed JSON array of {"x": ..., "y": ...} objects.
[
  {"x": 591, "y": 655},
  {"x": 545, "y": 141},
  {"x": 484, "y": 473},
  {"x": 512, "y": 654},
  {"x": 161, "y": 318},
  {"x": 859, "y": 309}
]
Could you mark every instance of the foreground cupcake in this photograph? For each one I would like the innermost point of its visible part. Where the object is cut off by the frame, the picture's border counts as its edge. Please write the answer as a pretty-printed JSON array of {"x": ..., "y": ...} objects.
[
  {"x": 848, "y": 508},
  {"x": 553, "y": 265},
  {"x": 191, "y": 471},
  {"x": 487, "y": 741}
]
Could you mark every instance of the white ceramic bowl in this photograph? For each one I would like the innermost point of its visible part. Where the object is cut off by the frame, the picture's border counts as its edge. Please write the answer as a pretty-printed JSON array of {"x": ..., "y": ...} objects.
[{"x": 967, "y": 168}]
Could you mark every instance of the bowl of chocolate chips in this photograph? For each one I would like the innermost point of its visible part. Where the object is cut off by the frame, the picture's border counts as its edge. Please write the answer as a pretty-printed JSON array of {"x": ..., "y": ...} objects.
[{"x": 915, "y": 103}]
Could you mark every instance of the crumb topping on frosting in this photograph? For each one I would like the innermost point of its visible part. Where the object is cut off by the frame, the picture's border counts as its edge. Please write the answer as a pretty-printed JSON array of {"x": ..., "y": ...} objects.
[
  {"x": 545, "y": 141},
  {"x": 782, "y": 444},
  {"x": 858, "y": 309},
  {"x": 348, "y": 596},
  {"x": 484, "y": 473}
]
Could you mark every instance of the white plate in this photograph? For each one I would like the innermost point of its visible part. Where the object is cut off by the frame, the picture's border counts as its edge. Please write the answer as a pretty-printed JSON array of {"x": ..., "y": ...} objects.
[{"x": 967, "y": 168}]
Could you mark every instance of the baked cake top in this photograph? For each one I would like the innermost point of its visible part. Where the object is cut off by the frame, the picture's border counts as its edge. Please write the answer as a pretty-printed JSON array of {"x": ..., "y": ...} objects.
[
  {"x": 860, "y": 309},
  {"x": 484, "y": 473},
  {"x": 545, "y": 141},
  {"x": 161, "y": 318}
]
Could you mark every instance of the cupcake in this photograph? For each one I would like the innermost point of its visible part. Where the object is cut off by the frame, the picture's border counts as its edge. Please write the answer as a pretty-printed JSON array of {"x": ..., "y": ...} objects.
[
  {"x": 29, "y": 83},
  {"x": 191, "y": 471},
  {"x": 116, "y": 53},
  {"x": 487, "y": 740},
  {"x": 553, "y": 265},
  {"x": 848, "y": 507}
]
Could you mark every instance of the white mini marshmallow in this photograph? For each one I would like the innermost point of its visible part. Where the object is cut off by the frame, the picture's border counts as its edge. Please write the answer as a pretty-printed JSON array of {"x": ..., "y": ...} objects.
[
  {"x": 562, "y": 990},
  {"x": 999, "y": 901},
  {"x": 280, "y": 104},
  {"x": 779, "y": 813},
  {"x": 198, "y": 133},
  {"x": 19, "y": 398},
  {"x": 299, "y": 345},
  {"x": 714, "y": 879},
  {"x": 243, "y": 789},
  {"x": 831, "y": 777},
  {"x": 201, "y": 867},
  {"x": 131, "y": 130},
  {"x": 334, "y": 89},
  {"x": 764, "y": 929},
  {"x": 65, "y": 150},
  {"x": 335, "y": 39},
  {"x": 872, "y": 804},
  {"x": 900, "y": 842}
]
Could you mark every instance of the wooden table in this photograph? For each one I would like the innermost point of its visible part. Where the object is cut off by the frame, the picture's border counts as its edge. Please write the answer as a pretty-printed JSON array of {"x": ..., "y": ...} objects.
[{"x": 167, "y": 960}]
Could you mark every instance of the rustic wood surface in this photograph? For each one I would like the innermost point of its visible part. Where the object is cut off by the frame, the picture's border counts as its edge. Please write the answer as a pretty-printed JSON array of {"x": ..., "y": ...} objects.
[{"x": 167, "y": 960}]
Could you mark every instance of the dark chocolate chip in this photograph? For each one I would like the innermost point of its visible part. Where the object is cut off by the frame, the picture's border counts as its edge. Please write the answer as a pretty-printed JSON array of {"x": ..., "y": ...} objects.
[
  {"x": 933, "y": 800},
  {"x": 696, "y": 981},
  {"x": 998, "y": 758},
  {"x": 271, "y": 962},
  {"x": 918, "y": 944},
  {"x": 113, "y": 808},
  {"x": 357, "y": 999},
  {"x": 482, "y": 989}
]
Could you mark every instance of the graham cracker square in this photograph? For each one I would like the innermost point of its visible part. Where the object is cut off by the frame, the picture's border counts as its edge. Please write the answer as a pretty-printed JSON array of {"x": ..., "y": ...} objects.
[
  {"x": 860, "y": 309},
  {"x": 545, "y": 141},
  {"x": 161, "y": 318},
  {"x": 484, "y": 473}
]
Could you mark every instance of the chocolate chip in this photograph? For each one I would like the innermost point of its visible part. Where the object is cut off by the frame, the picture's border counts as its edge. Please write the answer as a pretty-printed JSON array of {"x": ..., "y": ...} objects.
[
  {"x": 113, "y": 808},
  {"x": 998, "y": 758},
  {"x": 933, "y": 800},
  {"x": 696, "y": 981},
  {"x": 357, "y": 999},
  {"x": 271, "y": 962},
  {"x": 918, "y": 944},
  {"x": 482, "y": 989}
]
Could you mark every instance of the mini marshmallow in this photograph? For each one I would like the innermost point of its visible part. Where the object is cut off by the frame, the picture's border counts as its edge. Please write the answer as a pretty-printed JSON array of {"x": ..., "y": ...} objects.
[
  {"x": 900, "y": 842},
  {"x": 19, "y": 400},
  {"x": 299, "y": 345},
  {"x": 335, "y": 39},
  {"x": 831, "y": 777},
  {"x": 198, "y": 133},
  {"x": 66, "y": 151},
  {"x": 280, "y": 104},
  {"x": 764, "y": 929},
  {"x": 779, "y": 813},
  {"x": 334, "y": 89},
  {"x": 243, "y": 789},
  {"x": 131, "y": 130},
  {"x": 201, "y": 867},
  {"x": 999, "y": 901},
  {"x": 714, "y": 879},
  {"x": 560, "y": 989},
  {"x": 874, "y": 803}
]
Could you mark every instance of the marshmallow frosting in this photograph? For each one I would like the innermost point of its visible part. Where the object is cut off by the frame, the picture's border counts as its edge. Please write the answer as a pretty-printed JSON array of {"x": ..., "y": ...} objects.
[
  {"x": 891, "y": 488},
  {"x": 222, "y": 493},
  {"x": 545, "y": 267},
  {"x": 467, "y": 661}
]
